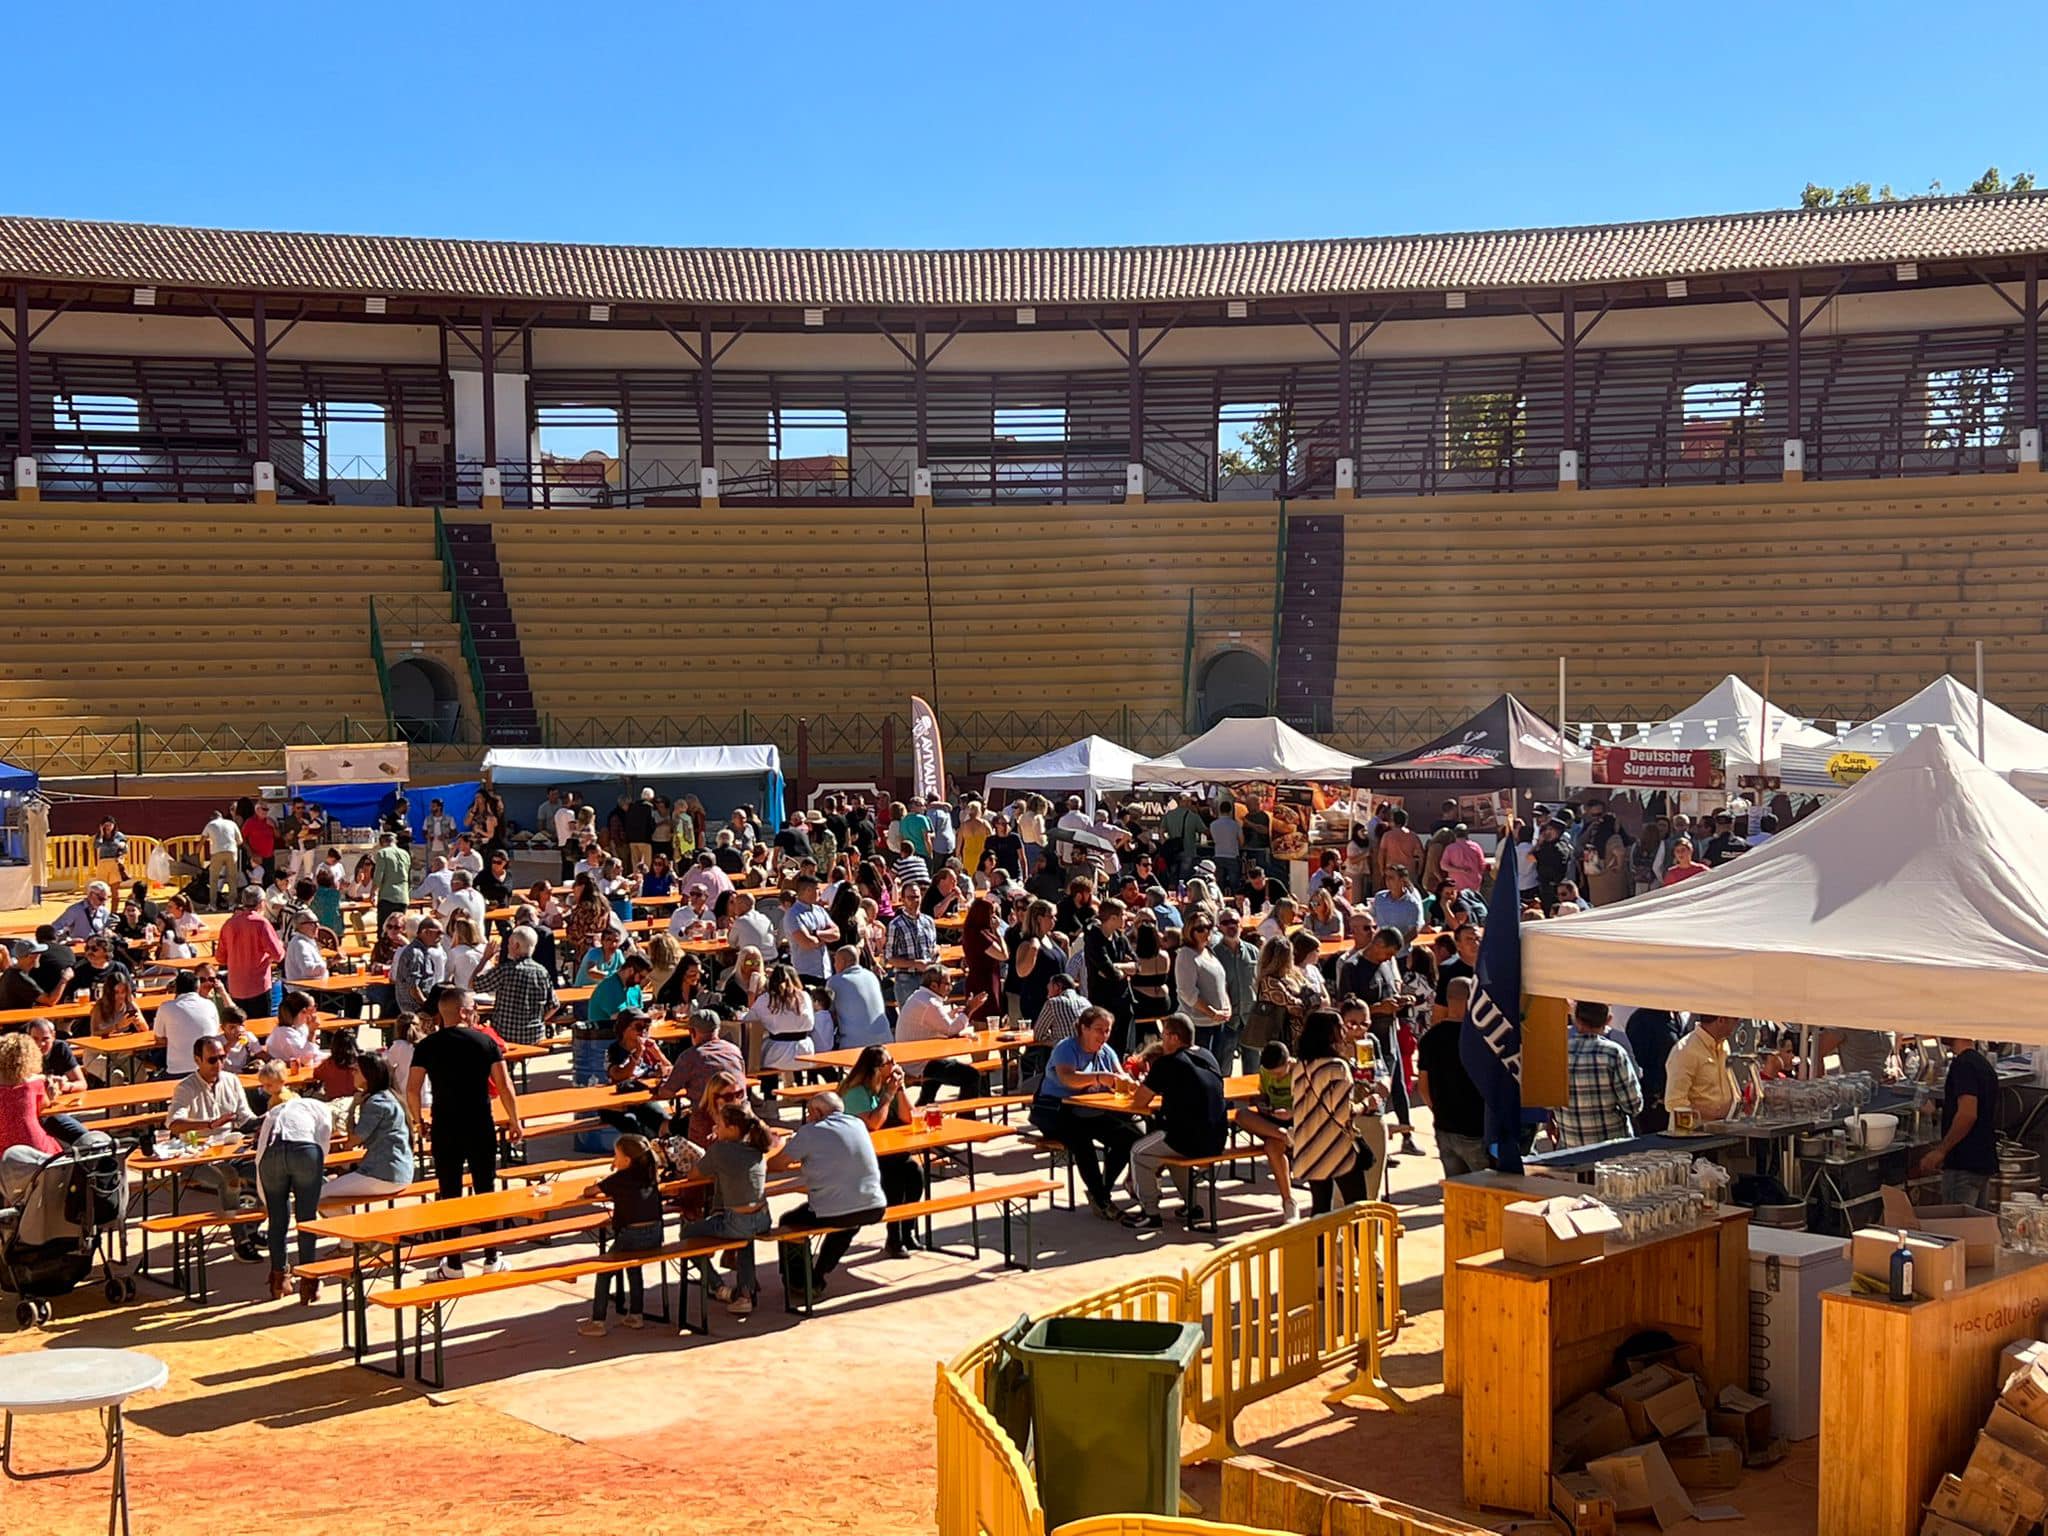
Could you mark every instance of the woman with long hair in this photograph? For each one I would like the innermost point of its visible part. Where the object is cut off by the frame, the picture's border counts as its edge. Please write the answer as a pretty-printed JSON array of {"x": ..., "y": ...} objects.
[
  {"x": 114, "y": 1009},
  {"x": 291, "y": 1158},
  {"x": 1323, "y": 1151},
  {"x": 981, "y": 943},
  {"x": 1279, "y": 996},
  {"x": 1036, "y": 955},
  {"x": 743, "y": 983},
  {"x": 1152, "y": 985},
  {"x": 679, "y": 992},
  {"x": 377, "y": 1124},
  {"x": 873, "y": 1093},
  {"x": 588, "y": 918},
  {"x": 783, "y": 1015},
  {"x": 464, "y": 946}
]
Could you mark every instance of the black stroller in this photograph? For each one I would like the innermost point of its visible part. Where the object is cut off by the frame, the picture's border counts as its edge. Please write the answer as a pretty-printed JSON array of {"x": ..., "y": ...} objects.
[{"x": 57, "y": 1212}]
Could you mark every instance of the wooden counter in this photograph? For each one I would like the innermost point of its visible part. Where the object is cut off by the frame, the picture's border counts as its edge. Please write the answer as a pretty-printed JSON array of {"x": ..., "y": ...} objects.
[
  {"x": 1537, "y": 1338},
  {"x": 1904, "y": 1390},
  {"x": 1472, "y": 1207}
]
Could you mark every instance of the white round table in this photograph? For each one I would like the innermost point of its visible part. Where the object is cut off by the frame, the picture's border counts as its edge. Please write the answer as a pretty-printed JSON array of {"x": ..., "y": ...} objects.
[{"x": 78, "y": 1381}]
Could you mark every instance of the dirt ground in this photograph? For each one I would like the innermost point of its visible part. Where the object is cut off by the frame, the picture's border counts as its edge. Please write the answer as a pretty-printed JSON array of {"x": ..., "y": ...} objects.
[{"x": 766, "y": 1425}]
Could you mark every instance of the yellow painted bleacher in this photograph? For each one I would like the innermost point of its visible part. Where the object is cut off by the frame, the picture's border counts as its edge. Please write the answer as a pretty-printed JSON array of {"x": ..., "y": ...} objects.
[
  {"x": 1859, "y": 593},
  {"x": 201, "y": 616}
]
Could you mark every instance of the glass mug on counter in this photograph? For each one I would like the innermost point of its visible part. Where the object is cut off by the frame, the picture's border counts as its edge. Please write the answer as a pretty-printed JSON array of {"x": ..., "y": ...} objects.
[{"x": 1685, "y": 1118}]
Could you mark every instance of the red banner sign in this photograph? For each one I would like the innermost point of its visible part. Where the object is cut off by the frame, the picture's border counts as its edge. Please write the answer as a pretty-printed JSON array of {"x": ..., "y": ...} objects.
[{"x": 1658, "y": 768}]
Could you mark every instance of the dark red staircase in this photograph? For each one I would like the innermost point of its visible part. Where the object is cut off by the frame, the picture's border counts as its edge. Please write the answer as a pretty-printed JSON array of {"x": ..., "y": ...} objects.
[
  {"x": 511, "y": 718},
  {"x": 1311, "y": 609}
]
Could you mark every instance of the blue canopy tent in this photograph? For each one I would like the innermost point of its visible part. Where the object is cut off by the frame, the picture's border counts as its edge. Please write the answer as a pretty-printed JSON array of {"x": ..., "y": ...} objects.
[
  {"x": 750, "y": 775},
  {"x": 16, "y": 780},
  {"x": 365, "y": 805}
]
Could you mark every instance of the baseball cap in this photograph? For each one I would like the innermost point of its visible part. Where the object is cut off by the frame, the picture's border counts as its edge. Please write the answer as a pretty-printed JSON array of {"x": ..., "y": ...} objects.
[{"x": 23, "y": 948}]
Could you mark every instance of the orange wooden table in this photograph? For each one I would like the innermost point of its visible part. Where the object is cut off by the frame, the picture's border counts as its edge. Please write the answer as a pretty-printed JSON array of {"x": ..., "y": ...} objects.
[{"x": 980, "y": 1043}]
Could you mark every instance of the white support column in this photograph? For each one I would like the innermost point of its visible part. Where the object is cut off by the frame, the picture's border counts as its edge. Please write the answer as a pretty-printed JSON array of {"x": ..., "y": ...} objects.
[
  {"x": 2030, "y": 450},
  {"x": 1134, "y": 482},
  {"x": 1347, "y": 480},
  {"x": 1795, "y": 459},
  {"x": 1568, "y": 469},
  {"x": 264, "y": 482},
  {"x": 27, "y": 487}
]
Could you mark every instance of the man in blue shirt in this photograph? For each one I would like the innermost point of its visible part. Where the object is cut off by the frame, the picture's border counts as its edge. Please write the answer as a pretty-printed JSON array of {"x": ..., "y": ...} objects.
[
  {"x": 859, "y": 1016},
  {"x": 842, "y": 1186},
  {"x": 1085, "y": 1063},
  {"x": 1398, "y": 906}
]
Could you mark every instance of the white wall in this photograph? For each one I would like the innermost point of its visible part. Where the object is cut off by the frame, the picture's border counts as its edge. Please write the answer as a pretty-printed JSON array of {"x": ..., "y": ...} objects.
[{"x": 509, "y": 391}]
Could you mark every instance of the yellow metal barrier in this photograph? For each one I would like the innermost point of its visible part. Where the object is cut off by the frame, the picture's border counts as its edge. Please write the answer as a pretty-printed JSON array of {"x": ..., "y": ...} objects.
[
  {"x": 68, "y": 861},
  {"x": 187, "y": 849},
  {"x": 136, "y": 859},
  {"x": 1276, "y": 1309}
]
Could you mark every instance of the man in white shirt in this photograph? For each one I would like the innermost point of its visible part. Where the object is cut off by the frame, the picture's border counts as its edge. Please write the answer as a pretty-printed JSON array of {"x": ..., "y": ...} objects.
[
  {"x": 465, "y": 857},
  {"x": 183, "y": 1021},
  {"x": 302, "y": 958},
  {"x": 463, "y": 896},
  {"x": 564, "y": 825},
  {"x": 223, "y": 861},
  {"x": 435, "y": 885},
  {"x": 693, "y": 920},
  {"x": 750, "y": 926},
  {"x": 926, "y": 1016}
]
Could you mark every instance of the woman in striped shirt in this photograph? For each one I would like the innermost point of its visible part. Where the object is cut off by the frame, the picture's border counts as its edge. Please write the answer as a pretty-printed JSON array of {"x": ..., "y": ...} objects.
[{"x": 1324, "y": 1152}]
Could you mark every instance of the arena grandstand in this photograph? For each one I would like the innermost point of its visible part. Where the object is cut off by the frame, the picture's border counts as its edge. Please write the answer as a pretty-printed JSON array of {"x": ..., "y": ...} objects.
[{"x": 1364, "y": 484}]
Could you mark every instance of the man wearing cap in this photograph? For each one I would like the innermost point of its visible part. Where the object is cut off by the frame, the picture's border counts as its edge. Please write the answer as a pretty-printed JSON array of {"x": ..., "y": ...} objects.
[
  {"x": 249, "y": 949},
  {"x": 709, "y": 1055},
  {"x": 20, "y": 987},
  {"x": 419, "y": 967}
]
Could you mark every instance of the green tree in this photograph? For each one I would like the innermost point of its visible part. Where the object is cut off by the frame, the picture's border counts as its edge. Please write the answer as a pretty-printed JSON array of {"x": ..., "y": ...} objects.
[
  {"x": 1990, "y": 184},
  {"x": 1263, "y": 448},
  {"x": 1483, "y": 430}
]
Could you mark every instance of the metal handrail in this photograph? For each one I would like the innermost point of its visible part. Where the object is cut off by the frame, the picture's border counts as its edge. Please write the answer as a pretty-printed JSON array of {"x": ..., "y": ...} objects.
[
  {"x": 458, "y": 614},
  {"x": 383, "y": 668}
]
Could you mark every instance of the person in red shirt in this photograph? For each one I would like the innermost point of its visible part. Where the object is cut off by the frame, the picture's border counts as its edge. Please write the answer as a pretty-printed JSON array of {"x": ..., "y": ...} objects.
[
  {"x": 23, "y": 1092},
  {"x": 1683, "y": 866},
  {"x": 250, "y": 950},
  {"x": 259, "y": 833}
]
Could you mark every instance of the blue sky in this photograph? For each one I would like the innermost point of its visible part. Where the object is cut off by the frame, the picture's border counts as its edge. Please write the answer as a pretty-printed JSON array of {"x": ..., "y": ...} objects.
[
  {"x": 933, "y": 124},
  {"x": 1054, "y": 123}
]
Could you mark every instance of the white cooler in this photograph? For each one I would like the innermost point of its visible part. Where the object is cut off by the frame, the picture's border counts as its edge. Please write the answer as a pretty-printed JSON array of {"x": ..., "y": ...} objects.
[{"x": 1787, "y": 1273}]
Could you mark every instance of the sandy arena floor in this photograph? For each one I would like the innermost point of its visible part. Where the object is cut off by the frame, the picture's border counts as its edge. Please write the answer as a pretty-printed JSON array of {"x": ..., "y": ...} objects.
[{"x": 767, "y": 1425}]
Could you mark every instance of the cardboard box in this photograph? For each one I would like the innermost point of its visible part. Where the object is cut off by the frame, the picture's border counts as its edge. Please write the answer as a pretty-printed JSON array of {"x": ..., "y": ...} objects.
[
  {"x": 2021, "y": 1478},
  {"x": 1704, "y": 1463},
  {"x": 1976, "y": 1505},
  {"x": 2008, "y": 1428},
  {"x": 1742, "y": 1417},
  {"x": 1581, "y": 1505},
  {"x": 1682, "y": 1358},
  {"x": 1590, "y": 1426},
  {"x": 1932, "y": 1524},
  {"x": 2026, "y": 1394},
  {"x": 1939, "y": 1261},
  {"x": 2018, "y": 1354},
  {"x": 1660, "y": 1403},
  {"x": 1565, "y": 1230},
  {"x": 1977, "y": 1228},
  {"x": 1640, "y": 1482}
]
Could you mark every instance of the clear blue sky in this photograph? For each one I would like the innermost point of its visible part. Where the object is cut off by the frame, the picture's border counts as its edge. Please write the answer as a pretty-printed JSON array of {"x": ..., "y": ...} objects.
[{"x": 929, "y": 124}]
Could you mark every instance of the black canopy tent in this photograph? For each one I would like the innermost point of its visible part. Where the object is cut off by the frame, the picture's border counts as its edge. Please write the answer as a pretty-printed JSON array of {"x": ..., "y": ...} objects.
[{"x": 1506, "y": 746}]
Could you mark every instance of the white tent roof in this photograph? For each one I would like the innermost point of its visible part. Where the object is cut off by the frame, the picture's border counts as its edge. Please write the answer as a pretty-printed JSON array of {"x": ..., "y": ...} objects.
[
  {"x": 1724, "y": 719},
  {"x": 541, "y": 765},
  {"x": 1916, "y": 901},
  {"x": 1232, "y": 751},
  {"x": 1092, "y": 763},
  {"x": 1943, "y": 705}
]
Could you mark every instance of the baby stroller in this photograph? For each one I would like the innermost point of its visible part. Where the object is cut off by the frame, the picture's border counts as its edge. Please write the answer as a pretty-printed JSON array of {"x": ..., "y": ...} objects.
[{"x": 56, "y": 1213}]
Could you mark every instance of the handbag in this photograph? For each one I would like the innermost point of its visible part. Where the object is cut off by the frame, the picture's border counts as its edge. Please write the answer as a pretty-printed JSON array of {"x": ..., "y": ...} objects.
[{"x": 1266, "y": 1023}]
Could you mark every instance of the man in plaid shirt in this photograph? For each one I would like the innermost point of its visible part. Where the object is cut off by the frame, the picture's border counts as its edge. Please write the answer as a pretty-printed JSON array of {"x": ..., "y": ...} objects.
[
  {"x": 913, "y": 942},
  {"x": 523, "y": 992},
  {"x": 1605, "y": 1092}
]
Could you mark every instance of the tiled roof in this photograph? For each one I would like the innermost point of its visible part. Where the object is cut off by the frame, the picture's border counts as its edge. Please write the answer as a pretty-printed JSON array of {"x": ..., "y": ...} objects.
[{"x": 169, "y": 256}]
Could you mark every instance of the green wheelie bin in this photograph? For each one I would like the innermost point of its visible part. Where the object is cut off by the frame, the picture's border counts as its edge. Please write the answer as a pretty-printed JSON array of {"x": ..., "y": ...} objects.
[{"x": 1105, "y": 1413}]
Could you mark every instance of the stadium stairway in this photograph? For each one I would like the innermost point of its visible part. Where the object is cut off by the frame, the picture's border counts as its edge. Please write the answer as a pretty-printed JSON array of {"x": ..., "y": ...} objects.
[
  {"x": 1311, "y": 616},
  {"x": 510, "y": 716}
]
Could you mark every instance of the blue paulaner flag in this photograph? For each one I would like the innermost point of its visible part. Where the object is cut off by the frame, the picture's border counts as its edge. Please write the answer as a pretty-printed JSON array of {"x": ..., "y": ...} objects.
[{"x": 1491, "y": 1044}]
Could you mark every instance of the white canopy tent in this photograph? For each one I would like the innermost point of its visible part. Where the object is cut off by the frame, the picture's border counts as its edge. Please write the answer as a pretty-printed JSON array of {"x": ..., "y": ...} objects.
[
  {"x": 1727, "y": 718},
  {"x": 1236, "y": 751},
  {"x": 1944, "y": 705},
  {"x": 1090, "y": 768},
  {"x": 1917, "y": 901}
]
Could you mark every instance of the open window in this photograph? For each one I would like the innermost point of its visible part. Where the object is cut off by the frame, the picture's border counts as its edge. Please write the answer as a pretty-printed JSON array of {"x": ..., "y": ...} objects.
[
  {"x": 1484, "y": 430},
  {"x": 1254, "y": 439},
  {"x": 1968, "y": 407},
  {"x": 100, "y": 421},
  {"x": 345, "y": 440},
  {"x": 1721, "y": 419},
  {"x": 577, "y": 445},
  {"x": 1030, "y": 448}
]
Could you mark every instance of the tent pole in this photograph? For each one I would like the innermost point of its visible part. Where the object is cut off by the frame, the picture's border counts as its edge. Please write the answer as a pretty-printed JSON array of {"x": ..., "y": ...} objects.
[
  {"x": 1763, "y": 731},
  {"x": 1562, "y": 792},
  {"x": 1980, "y": 701}
]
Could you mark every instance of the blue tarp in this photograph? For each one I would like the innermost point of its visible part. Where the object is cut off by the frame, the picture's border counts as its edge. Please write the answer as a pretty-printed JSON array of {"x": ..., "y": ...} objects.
[
  {"x": 15, "y": 780},
  {"x": 365, "y": 805}
]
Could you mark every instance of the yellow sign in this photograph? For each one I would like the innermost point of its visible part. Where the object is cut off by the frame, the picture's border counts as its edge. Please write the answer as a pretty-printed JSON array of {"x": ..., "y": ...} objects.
[{"x": 1848, "y": 767}]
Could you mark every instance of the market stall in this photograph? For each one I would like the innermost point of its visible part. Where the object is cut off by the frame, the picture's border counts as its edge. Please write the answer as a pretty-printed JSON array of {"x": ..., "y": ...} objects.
[
  {"x": 1270, "y": 767},
  {"x": 1091, "y": 768},
  {"x": 1916, "y": 902},
  {"x": 2011, "y": 746},
  {"x": 1505, "y": 758},
  {"x": 723, "y": 778},
  {"x": 1731, "y": 719}
]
